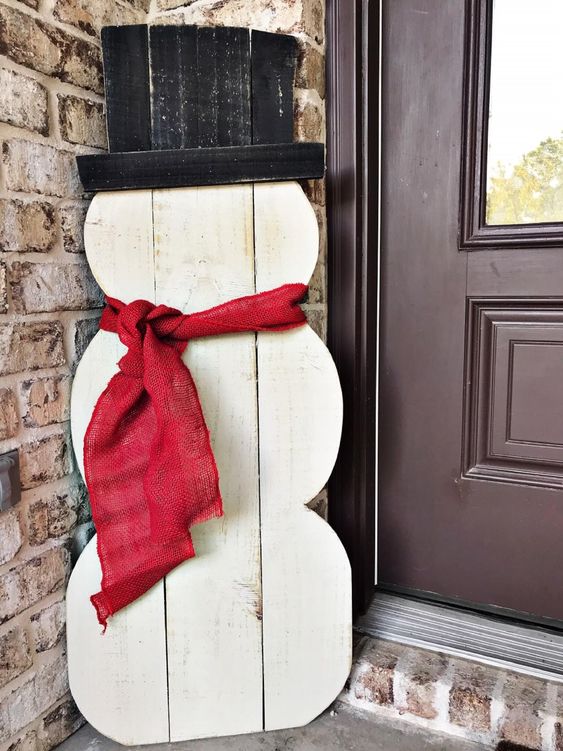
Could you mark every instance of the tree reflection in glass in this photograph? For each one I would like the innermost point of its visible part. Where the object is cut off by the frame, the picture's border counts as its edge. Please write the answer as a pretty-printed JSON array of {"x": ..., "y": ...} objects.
[{"x": 525, "y": 132}]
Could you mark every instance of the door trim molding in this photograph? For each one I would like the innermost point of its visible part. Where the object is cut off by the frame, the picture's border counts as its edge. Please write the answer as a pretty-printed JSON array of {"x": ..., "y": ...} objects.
[
  {"x": 484, "y": 638},
  {"x": 352, "y": 159}
]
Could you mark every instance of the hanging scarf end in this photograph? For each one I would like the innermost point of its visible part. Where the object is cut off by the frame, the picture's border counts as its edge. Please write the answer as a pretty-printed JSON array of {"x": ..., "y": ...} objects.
[{"x": 103, "y": 610}]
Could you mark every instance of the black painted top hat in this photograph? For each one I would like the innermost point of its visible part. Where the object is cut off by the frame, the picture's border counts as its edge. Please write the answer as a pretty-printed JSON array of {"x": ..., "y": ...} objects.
[{"x": 191, "y": 105}]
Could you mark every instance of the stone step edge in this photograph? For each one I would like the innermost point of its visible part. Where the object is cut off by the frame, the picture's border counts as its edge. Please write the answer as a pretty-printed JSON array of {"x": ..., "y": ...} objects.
[{"x": 462, "y": 698}]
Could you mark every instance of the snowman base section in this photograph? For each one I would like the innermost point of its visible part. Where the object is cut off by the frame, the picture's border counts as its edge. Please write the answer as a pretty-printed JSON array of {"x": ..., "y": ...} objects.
[{"x": 255, "y": 632}]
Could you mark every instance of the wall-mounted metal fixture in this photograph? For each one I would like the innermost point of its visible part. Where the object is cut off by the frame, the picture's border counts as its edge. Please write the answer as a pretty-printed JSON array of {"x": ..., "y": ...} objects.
[{"x": 10, "y": 487}]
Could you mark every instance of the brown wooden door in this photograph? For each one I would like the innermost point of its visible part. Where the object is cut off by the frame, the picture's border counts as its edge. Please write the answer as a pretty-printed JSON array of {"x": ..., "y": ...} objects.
[{"x": 471, "y": 384}]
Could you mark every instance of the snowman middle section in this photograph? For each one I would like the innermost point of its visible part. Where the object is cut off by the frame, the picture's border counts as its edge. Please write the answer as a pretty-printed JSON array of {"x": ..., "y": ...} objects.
[{"x": 232, "y": 640}]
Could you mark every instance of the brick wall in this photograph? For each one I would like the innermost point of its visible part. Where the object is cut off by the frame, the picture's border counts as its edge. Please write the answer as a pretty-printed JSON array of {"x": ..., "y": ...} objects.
[{"x": 51, "y": 108}]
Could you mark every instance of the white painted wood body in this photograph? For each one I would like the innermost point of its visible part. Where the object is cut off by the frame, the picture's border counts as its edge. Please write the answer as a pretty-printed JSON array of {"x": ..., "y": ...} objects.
[{"x": 255, "y": 632}]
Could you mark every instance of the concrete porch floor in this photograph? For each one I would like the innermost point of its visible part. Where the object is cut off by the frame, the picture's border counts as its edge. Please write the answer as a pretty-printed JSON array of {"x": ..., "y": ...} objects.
[{"x": 340, "y": 729}]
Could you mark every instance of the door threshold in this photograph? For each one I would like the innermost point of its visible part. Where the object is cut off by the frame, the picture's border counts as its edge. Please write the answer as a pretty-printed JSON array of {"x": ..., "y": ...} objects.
[{"x": 491, "y": 640}]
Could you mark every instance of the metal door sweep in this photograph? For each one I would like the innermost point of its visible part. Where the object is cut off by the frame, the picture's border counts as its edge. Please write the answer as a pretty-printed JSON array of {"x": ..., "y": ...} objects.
[{"x": 486, "y": 638}]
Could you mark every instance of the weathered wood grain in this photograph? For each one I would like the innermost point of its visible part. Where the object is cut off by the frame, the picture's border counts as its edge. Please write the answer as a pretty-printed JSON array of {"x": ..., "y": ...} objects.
[
  {"x": 205, "y": 166},
  {"x": 117, "y": 679},
  {"x": 223, "y": 75},
  {"x": 126, "y": 74},
  {"x": 174, "y": 87},
  {"x": 274, "y": 58},
  {"x": 204, "y": 255},
  {"x": 306, "y": 577}
]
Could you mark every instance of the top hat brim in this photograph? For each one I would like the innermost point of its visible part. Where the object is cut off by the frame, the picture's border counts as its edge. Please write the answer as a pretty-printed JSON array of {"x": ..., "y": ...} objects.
[{"x": 225, "y": 165}]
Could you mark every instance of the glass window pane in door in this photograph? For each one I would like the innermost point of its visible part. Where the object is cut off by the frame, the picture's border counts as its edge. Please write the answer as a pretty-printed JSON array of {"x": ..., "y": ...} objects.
[{"x": 525, "y": 128}]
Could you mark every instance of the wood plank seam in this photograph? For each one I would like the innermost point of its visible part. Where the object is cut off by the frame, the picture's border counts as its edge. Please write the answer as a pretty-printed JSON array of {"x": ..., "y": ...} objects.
[{"x": 259, "y": 488}]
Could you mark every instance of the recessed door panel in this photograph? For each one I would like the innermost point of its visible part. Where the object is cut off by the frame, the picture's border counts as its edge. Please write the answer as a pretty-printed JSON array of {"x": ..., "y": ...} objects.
[{"x": 514, "y": 410}]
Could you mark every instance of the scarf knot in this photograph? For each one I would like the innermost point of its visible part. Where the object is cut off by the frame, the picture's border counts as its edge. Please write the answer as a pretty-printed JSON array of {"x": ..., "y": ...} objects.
[{"x": 138, "y": 324}]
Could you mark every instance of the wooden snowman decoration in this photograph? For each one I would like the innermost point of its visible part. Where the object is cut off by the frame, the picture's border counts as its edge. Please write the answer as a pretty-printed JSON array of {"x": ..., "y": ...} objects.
[{"x": 197, "y": 206}]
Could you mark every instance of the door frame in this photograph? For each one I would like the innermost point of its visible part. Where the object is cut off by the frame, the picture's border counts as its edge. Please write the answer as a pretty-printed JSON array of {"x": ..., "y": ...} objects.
[
  {"x": 353, "y": 27},
  {"x": 353, "y": 225}
]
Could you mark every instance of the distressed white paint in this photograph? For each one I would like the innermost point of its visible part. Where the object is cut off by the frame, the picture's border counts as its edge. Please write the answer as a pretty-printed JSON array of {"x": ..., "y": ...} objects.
[
  {"x": 305, "y": 571},
  {"x": 204, "y": 250},
  {"x": 208, "y": 245},
  {"x": 118, "y": 679}
]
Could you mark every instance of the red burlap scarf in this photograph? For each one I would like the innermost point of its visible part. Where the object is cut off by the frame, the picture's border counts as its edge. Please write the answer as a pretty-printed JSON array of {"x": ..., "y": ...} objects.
[{"x": 148, "y": 460}]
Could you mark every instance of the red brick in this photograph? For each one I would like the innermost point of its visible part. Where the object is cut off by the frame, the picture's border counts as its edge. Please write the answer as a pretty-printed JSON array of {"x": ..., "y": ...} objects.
[
  {"x": 9, "y": 422},
  {"x": 27, "y": 741},
  {"x": 315, "y": 190},
  {"x": 31, "y": 581},
  {"x": 90, "y": 16},
  {"x": 34, "y": 697},
  {"x": 3, "y": 287},
  {"x": 15, "y": 655},
  {"x": 143, "y": 5},
  {"x": 471, "y": 696},
  {"x": 48, "y": 626},
  {"x": 524, "y": 699},
  {"x": 38, "y": 168},
  {"x": 10, "y": 535},
  {"x": 47, "y": 401},
  {"x": 23, "y": 102},
  {"x": 421, "y": 674},
  {"x": 309, "y": 118},
  {"x": 290, "y": 16},
  {"x": 313, "y": 19},
  {"x": 82, "y": 121},
  {"x": 310, "y": 73},
  {"x": 319, "y": 504},
  {"x": 73, "y": 217},
  {"x": 27, "y": 226},
  {"x": 35, "y": 44},
  {"x": 317, "y": 292},
  {"x": 84, "y": 330},
  {"x": 373, "y": 682},
  {"x": 317, "y": 320},
  {"x": 30, "y": 346},
  {"x": 44, "y": 460},
  {"x": 51, "y": 517},
  {"x": 59, "y": 724},
  {"x": 49, "y": 287}
]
